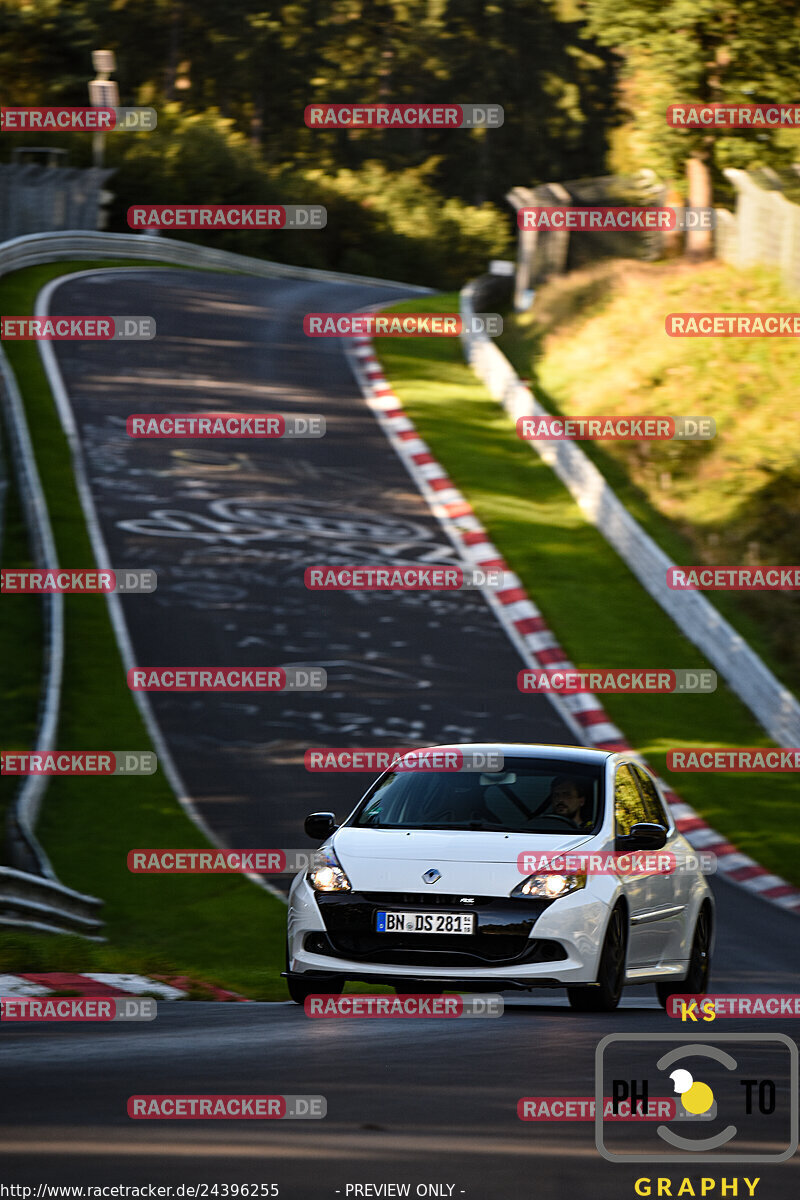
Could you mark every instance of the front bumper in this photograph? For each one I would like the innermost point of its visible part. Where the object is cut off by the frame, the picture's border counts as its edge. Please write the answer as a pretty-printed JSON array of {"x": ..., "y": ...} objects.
[{"x": 523, "y": 942}]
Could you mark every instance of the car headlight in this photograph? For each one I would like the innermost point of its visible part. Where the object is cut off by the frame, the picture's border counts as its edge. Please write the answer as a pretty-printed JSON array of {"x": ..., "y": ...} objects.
[
  {"x": 548, "y": 887},
  {"x": 327, "y": 873}
]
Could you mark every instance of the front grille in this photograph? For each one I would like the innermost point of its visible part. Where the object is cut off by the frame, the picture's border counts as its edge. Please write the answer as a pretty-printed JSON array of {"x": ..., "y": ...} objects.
[{"x": 501, "y": 938}]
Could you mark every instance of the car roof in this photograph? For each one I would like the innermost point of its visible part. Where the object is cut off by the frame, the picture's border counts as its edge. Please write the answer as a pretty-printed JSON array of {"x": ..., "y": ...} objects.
[{"x": 576, "y": 754}]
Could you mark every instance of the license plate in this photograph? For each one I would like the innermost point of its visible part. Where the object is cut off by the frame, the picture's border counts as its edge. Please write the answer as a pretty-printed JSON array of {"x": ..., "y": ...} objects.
[{"x": 425, "y": 922}]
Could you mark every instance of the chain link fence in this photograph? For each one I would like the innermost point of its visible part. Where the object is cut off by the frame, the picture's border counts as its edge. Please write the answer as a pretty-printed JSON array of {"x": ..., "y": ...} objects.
[
  {"x": 542, "y": 253},
  {"x": 38, "y": 199}
]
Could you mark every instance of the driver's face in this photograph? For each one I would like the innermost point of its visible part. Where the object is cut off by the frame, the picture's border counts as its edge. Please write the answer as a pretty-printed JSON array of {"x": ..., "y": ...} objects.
[{"x": 567, "y": 801}]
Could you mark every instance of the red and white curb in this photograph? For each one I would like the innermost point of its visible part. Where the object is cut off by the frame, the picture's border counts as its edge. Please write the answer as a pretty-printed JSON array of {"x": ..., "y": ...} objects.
[
  {"x": 101, "y": 984},
  {"x": 525, "y": 625}
]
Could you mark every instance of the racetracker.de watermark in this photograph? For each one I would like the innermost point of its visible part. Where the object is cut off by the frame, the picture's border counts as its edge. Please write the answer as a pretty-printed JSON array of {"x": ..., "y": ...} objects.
[
  {"x": 696, "y": 1007},
  {"x": 227, "y": 216},
  {"x": 77, "y": 329},
  {"x": 225, "y": 425},
  {"x": 545, "y": 428},
  {"x": 734, "y": 579},
  {"x": 77, "y": 582},
  {"x": 715, "y": 324},
  {"x": 403, "y": 1005},
  {"x": 181, "y": 1107},
  {"x": 648, "y": 680},
  {"x": 400, "y": 579},
  {"x": 398, "y": 758},
  {"x": 96, "y": 119},
  {"x": 227, "y": 679},
  {"x": 77, "y": 1008},
  {"x": 218, "y": 862},
  {"x": 404, "y": 116},
  {"x": 581, "y": 1108},
  {"x": 78, "y": 762},
  {"x": 733, "y": 116},
  {"x": 618, "y": 218},
  {"x": 616, "y": 862},
  {"x": 711, "y": 758},
  {"x": 339, "y": 324}
]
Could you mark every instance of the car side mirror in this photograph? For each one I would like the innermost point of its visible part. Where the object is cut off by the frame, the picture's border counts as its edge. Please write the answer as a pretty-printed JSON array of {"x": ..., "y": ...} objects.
[
  {"x": 645, "y": 835},
  {"x": 319, "y": 826}
]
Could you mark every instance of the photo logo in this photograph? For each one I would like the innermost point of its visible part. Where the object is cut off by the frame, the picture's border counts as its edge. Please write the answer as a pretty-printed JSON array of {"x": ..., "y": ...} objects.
[{"x": 737, "y": 1097}]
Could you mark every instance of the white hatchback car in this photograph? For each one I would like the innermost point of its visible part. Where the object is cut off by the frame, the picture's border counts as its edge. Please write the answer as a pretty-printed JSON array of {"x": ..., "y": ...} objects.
[{"x": 420, "y": 887}]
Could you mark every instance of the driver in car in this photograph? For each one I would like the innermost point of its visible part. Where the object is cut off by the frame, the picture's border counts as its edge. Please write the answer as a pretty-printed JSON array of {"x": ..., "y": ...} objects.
[{"x": 570, "y": 797}]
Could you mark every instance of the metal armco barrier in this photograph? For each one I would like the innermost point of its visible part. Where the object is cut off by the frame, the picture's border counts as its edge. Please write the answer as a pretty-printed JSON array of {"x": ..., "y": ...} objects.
[{"x": 30, "y": 902}]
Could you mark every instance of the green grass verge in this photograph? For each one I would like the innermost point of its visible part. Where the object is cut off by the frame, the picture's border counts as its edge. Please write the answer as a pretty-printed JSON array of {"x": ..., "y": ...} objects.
[
  {"x": 219, "y": 929},
  {"x": 594, "y": 344},
  {"x": 595, "y": 606}
]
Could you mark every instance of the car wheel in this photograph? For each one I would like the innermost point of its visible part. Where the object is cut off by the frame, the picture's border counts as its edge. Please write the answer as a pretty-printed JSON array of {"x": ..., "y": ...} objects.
[
  {"x": 301, "y": 987},
  {"x": 605, "y": 996},
  {"x": 695, "y": 982}
]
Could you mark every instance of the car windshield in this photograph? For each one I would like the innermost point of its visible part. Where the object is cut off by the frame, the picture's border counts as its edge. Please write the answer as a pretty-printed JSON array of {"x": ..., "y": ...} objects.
[{"x": 527, "y": 796}]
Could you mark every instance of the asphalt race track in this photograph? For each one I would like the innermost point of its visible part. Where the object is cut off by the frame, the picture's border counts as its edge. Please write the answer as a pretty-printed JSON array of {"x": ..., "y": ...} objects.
[
  {"x": 230, "y": 527},
  {"x": 408, "y": 1100}
]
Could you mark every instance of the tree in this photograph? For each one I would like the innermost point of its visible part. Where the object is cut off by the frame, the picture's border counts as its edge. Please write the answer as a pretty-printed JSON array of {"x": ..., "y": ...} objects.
[{"x": 701, "y": 51}]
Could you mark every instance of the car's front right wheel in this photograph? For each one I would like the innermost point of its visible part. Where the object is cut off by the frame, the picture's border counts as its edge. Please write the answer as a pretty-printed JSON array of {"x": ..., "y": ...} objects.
[
  {"x": 605, "y": 995},
  {"x": 695, "y": 982},
  {"x": 300, "y": 987}
]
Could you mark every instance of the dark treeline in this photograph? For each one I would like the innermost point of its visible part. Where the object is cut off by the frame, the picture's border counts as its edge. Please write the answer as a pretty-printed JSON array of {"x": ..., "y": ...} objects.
[
  {"x": 584, "y": 85},
  {"x": 231, "y": 80}
]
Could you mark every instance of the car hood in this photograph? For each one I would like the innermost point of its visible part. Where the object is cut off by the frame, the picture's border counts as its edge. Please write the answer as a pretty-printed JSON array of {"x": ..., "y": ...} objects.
[{"x": 469, "y": 860}]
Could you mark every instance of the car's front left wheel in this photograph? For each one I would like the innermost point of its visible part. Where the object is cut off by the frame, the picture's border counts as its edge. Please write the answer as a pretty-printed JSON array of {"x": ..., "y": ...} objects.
[{"x": 605, "y": 996}]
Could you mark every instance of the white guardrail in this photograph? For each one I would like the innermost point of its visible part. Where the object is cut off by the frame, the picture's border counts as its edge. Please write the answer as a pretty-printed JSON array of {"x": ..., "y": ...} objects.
[
  {"x": 36, "y": 898},
  {"x": 774, "y": 706}
]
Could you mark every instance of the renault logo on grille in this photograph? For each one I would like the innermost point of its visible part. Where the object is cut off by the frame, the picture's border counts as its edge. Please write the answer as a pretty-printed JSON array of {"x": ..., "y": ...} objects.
[{"x": 432, "y": 875}]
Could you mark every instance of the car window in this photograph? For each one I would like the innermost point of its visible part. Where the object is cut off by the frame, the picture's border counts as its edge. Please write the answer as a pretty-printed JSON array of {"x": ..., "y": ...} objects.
[
  {"x": 526, "y": 796},
  {"x": 629, "y": 807},
  {"x": 652, "y": 801}
]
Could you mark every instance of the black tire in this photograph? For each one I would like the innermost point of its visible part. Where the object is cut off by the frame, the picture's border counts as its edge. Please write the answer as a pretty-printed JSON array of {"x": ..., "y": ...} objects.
[
  {"x": 695, "y": 982},
  {"x": 605, "y": 996},
  {"x": 301, "y": 987}
]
